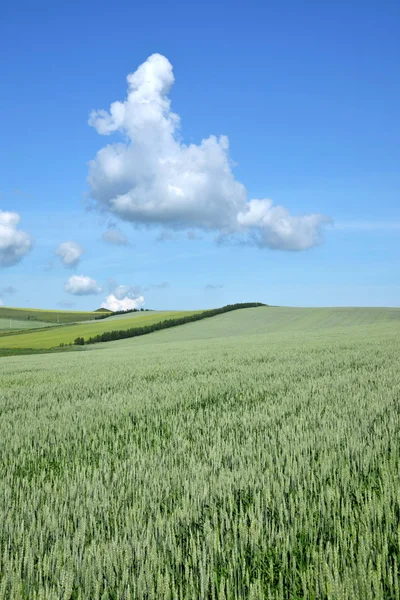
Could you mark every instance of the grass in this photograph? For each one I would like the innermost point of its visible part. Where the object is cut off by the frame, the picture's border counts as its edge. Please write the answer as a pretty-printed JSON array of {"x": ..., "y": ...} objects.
[
  {"x": 18, "y": 324},
  {"x": 229, "y": 462},
  {"x": 53, "y": 337},
  {"x": 48, "y": 316},
  {"x": 282, "y": 322}
]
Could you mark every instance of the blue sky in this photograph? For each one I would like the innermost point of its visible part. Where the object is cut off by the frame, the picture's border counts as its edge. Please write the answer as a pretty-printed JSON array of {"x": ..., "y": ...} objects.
[{"x": 308, "y": 98}]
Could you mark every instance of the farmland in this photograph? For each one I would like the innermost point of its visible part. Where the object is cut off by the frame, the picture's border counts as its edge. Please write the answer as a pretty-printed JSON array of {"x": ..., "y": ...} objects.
[
  {"x": 18, "y": 324},
  {"x": 47, "y": 316},
  {"x": 229, "y": 458},
  {"x": 49, "y": 338},
  {"x": 283, "y": 322}
]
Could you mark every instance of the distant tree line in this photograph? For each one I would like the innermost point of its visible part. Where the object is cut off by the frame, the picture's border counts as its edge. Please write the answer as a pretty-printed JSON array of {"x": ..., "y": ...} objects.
[{"x": 120, "y": 334}]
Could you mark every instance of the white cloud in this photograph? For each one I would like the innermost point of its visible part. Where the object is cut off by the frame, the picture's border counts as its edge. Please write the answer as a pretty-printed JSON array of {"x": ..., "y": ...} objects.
[
  {"x": 14, "y": 243},
  {"x": 123, "y": 297},
  {"x": 80, "y": 285},
  {"x": 152, "y": 178},
  {"x": 113, "y": 303},
  {"x": 115, "y": 236},
  {"x": 70, "y": 253},
  {"x": 121, "y": 291},
  {"x": 274, "y": 227}
]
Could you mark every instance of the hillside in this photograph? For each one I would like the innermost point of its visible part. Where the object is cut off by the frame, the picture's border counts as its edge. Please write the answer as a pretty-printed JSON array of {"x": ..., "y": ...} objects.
[
  {"x": 66, "y": 334},
  {"x": 9, "y": 324},
  {"x": 278, "y": 322},
  {"x": 274, "y": 321},
  {"x": 46, "y": 316}
]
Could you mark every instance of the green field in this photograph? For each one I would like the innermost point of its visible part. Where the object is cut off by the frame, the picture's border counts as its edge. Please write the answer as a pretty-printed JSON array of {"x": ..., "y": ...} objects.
[
  {"x": 17, "y": 325},
  {"x": 49, "y": 338},
  {"x": 49, "y": 316},
  {"x": 281, "y": 321},
  {"x": 252, "y": 455}
]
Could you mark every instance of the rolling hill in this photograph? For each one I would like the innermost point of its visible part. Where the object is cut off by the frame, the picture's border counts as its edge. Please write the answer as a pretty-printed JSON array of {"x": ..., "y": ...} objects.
[
  {"x": 281, "y": 321},
  {"x": 46, "y": 316},
  {"x": 278, "y": 322},
  {"x": 7, "y": 325},
  {"x": 66, "y": 334}
]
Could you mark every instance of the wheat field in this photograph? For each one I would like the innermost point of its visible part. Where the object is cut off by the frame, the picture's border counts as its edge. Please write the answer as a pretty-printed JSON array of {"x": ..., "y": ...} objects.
[{"x": 187, "y": 464}]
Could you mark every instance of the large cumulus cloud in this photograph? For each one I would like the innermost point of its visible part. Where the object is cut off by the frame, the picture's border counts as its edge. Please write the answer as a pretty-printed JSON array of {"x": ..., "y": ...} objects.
[{"x": 153, "y": 178}]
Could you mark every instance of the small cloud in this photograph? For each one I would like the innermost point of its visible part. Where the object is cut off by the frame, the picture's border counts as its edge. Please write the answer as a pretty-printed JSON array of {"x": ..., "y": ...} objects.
[
  {"x": 160, "y": 286},
  {"x": 66, "y": 304},
  {"x": 233, "y": 239},
  {"x": 14, "y": 243},
  {"x": 115, "y": 236},
  {"x": 8, "y": 290},
  {"x": 212, "y": 286},
  {"x": 123, "y": 297},
  {"x": 193, "y": 235},
  {"x": 272, "y": 226},
  {"x": 19, "y": 192},
  {"x": 80, "y": 285},
  {"x": 122, "y": 291},
  {"x": 70, "y": 253},
  {"x": 166, "y": 236},
  {"x": 157, "y": 286},
  {"x": 115, "y": 304}
]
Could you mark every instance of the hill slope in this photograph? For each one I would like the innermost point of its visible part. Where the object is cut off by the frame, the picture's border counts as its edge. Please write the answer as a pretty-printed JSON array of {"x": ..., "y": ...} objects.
[
  {"x": 275, "y": 321},
  {"x": 47, "y": 316},
  {"x": 7, "y": 325},
  {"x": 53, "y": 337}
]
